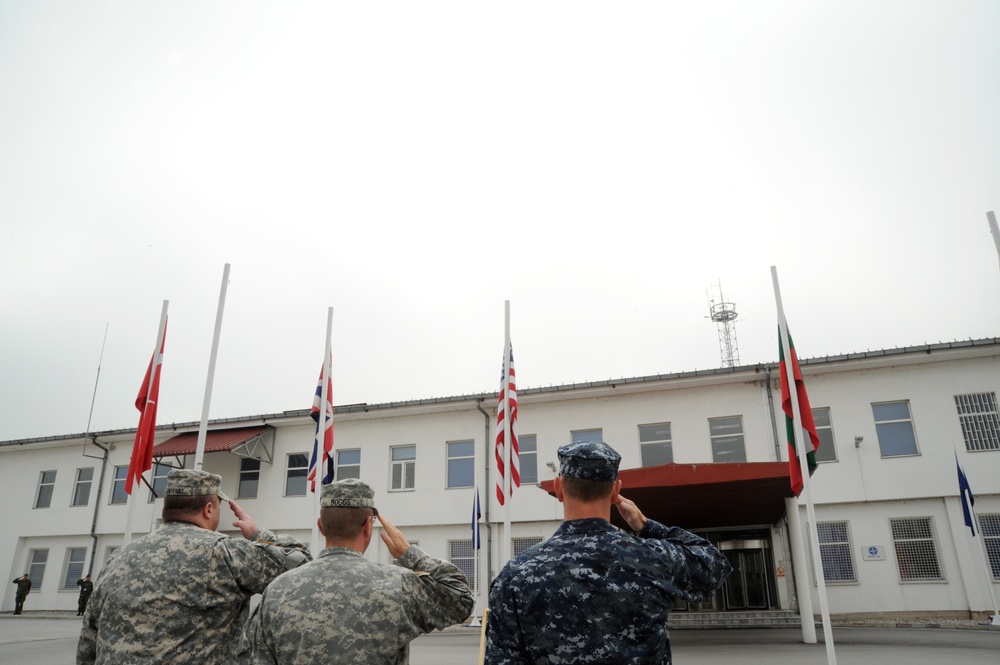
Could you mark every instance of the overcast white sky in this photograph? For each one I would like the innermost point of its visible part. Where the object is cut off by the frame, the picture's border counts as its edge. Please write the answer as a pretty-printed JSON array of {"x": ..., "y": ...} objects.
[{"x": 416, "y": 164}]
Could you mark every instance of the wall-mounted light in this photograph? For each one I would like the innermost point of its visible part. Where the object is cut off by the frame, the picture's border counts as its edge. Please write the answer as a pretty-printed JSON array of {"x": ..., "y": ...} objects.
[{"x": 858, "y": 440}]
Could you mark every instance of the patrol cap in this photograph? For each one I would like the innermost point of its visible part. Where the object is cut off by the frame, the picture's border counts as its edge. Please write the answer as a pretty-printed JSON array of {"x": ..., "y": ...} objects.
[
  {"x": 349, "y": 493},
  {"x": 188, "y": 482},
  {"x": 589, "y": 460}
]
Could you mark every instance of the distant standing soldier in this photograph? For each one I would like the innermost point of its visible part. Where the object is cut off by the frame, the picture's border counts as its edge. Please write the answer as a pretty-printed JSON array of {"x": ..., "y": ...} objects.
[
  {"x": 593, "y": 594},
  {"x": 86, "y": 588},
  {"x": 342, "y": 608},
  {"x": 181, "y": 594},
  {"x": 23, "y": 588}
]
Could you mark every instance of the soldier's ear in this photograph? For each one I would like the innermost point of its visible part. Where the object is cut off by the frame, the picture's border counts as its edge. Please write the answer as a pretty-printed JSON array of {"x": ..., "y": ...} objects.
[
  {"x": 615, "y": 491},
  {"x": 557, "y": 484},
  {"x": 319, "y": 523}
]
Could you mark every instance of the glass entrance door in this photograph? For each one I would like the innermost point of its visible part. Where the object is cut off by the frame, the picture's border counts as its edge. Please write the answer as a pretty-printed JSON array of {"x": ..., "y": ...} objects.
[{"x": 746, "y": 588}]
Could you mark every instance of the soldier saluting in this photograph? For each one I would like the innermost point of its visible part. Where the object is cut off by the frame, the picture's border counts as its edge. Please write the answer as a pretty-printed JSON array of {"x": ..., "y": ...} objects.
[{"x": 592, "y": 593}]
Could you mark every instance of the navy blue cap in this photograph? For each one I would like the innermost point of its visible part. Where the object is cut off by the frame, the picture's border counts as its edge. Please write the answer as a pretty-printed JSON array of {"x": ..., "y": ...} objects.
[{"x": 589, "y": 460}]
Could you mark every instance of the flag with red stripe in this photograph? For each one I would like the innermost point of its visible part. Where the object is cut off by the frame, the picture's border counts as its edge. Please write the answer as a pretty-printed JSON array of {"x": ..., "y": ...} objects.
[
  {"x": 322, "y": 460},
  {"x": 507, "y": 413},
  {"x": 805, "y": 411},
  {"x": 145, "y": 435}
]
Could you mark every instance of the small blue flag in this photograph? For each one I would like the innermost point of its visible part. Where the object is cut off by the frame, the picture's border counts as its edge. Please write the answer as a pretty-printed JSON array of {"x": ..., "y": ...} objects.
[{"x": 967, "y": 499}]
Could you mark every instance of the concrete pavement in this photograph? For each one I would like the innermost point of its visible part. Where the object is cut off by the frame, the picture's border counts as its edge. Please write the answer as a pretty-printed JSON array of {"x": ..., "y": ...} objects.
[{"x": 47, "y": 638}]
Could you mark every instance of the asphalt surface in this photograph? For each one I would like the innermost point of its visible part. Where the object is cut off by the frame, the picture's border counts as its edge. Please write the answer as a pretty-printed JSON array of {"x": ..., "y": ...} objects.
[{"x": 47, "y": 640}]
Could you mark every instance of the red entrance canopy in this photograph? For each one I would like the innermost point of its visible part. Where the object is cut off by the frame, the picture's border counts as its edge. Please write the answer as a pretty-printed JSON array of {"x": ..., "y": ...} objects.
[
  {"x": 706, "y": 496},
  {"x": 222, "y": 440}
]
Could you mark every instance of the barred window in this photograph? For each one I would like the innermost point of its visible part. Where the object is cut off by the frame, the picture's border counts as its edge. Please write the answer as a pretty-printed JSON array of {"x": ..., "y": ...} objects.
[
  {"x": 835, "y": 552},
  {"x": 977, "y": 413},
  {"x": 989, "y": 526},
  {"x": 519, "y": 545},
  {"x": 655, "y": 444},
  {"x": 916, "y": 553},
  {"x": 463, "y": 555}
]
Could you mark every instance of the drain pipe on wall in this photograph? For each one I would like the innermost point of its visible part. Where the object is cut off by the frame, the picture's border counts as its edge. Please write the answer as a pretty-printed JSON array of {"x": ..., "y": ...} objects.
[
  {"x": 97, "y": 502},
  {"x": 486, "y": 503}
]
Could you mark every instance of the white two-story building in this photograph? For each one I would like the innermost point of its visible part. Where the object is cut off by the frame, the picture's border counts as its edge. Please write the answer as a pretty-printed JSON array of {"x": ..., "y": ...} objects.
[{"x": 703, "y": 450}]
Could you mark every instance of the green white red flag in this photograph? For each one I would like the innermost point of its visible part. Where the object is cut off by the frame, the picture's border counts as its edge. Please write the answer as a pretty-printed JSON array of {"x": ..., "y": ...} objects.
[{"x": 808, "y": 425}]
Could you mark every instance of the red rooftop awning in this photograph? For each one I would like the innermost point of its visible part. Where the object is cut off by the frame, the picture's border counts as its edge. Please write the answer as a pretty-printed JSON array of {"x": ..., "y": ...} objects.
[
  {"x": 216, "y": 441},
  {"x": 706, "y": 496}
]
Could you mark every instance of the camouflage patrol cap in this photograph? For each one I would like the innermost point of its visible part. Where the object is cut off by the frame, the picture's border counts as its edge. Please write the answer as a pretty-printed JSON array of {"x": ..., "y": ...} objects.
[
  {"x": 349, "y": 493},
  {"x": 589, "y": 460},
  {"x": 188, "y": 482}
]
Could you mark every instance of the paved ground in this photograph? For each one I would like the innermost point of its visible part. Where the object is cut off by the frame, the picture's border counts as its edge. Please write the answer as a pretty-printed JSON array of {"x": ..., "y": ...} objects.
[{"x": 49, "y": 640}]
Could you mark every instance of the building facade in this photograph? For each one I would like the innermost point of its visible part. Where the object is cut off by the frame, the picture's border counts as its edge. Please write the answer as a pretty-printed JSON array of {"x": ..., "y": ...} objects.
[{"x": 891, "y": 530}]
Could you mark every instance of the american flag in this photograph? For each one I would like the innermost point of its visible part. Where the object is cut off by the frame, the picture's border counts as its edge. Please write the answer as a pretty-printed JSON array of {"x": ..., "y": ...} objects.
[
  {"x": 145, "y": 434},
  {"x": 507, "y": 412},
  {"x": 327, "y": 462}
]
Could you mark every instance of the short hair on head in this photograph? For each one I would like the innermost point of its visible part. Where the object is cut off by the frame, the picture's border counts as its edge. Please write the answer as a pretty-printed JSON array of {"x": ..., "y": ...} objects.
[
  {"x": 342, "y": 522},
  {"x": 178, "y": 508},
  {"x": 587, "y": 490}
]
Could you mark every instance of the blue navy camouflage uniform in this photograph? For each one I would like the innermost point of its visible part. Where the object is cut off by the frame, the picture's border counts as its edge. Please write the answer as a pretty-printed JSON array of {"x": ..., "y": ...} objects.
[{"x": 592, "y": 593}]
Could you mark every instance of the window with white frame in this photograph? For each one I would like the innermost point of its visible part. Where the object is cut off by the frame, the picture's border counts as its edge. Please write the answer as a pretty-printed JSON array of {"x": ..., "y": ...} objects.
[
  {"x": 46, "y": 485},
  {"x": 989, "y": 527},
  {"x": 463, "y": 555},
  {"x": 586, "y": 435},
  {"x": 348, "y": 464},
  {"x": 519, "y": 545},
  {"x": 835, "y": 552},
  {"x": 249, "y": 478},
  {"x": 73, "y": 569},
  {"x": 461, "y": 464},
  {"x": 894, "y": 428},
  {"x": 404, "y": 468},
  {"x": 916, "y": 552},
  {"x": 527, "y": 458},
  {"x": 36, "y": 567},
  {"x": 726, "y": 435},
  {"x": 81, "y": 488},
  {"x": 977, "y": 413},
  {"x": 827, "y": 451},
  {"x": 655, "y": 445},
  {"x": 118, "y": 495},
  {"x": 296, "y": 474},
  {"x": 160, "y": 472}
]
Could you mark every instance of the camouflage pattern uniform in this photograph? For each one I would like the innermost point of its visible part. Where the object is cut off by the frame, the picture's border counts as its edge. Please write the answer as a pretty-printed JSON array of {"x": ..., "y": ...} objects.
[
  {"x": 343, "y": 608},
  {"x": 180, "y": 595},
  {"x": 594, "y": 594}
]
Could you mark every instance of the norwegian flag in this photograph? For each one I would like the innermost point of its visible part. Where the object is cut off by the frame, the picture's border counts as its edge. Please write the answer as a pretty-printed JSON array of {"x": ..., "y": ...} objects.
[
  {"x": 327, "y": 456},
  {"x": 507, "y": 412}
]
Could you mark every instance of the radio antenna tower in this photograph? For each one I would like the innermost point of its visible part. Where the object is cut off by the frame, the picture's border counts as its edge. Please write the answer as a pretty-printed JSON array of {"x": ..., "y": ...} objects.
[{"x": 724, "y": 315}]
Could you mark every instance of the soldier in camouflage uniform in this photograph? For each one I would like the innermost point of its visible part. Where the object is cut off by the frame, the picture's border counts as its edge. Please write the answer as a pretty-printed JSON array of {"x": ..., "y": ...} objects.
[
  {"x": 342, "y": 608},
  {"x": 181, "y": 593},
  {"x": 591, "y": 593}
]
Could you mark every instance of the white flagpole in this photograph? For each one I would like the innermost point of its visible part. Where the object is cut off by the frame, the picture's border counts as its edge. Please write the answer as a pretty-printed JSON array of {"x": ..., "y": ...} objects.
[
  {"x": 995, "y": 230},
  {"x": 995, "y": 619},
  {"x": 800, "y": 447},
  {"x": 157, "y": 360},
  {"x": 324, "y": 396},
  {"x": 199, "y": 451},
  {"x": 508, "y": 484}
]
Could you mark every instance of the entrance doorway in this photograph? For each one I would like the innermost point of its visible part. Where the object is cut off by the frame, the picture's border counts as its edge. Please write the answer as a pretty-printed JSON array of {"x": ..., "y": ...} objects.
[{"x": 747, "y": 587}]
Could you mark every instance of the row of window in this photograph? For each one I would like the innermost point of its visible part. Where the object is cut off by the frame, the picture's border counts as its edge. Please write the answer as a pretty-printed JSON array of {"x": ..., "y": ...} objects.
[
  {"x": 977, "y": 413},
  {"x": 914, "y": 542}
]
